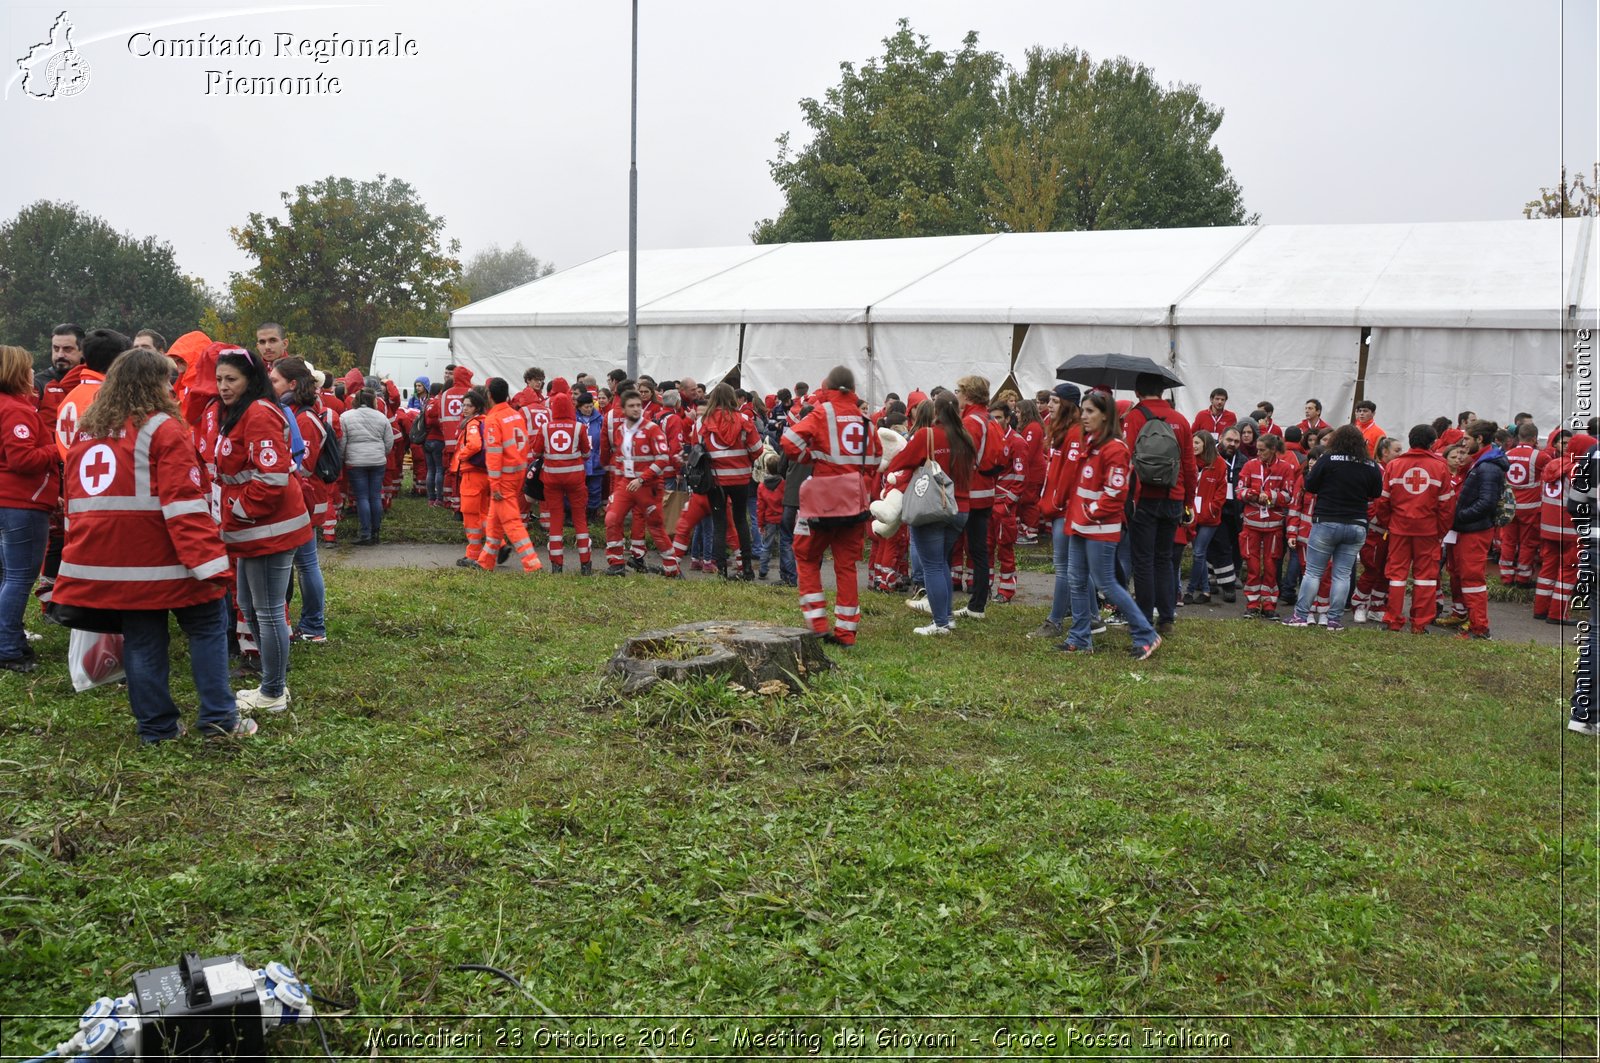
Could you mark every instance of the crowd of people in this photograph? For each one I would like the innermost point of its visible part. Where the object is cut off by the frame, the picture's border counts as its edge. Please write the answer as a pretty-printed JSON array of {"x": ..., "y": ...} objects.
[{"x": 138, "y": 481}]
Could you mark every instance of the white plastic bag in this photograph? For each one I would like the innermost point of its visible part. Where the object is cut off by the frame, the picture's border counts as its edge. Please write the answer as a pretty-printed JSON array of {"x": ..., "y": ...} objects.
[{"x": 94, "y": 659}]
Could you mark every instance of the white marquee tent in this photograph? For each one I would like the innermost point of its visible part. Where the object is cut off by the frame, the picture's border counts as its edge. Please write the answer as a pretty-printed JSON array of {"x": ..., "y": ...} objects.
[{"x": 1426, "y": 319}]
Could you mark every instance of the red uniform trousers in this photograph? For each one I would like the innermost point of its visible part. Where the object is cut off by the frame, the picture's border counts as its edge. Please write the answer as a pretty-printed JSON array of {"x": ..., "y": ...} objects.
[
  {"x": 391, "y": 475},
  {"x": 697, "y": 509},
  {"x": 960, "y": 571},
  {"x": 1418, "y": 557},
  {"x": 506, "y": 526},
  {"x": 1469, "y": 560},
  {"x": 1028, "y": 517},
  {"x": 1374, "y": 570},
  {"x": 1262, "y": 549},
  {"x": 887, "y": 562},
  {"x": 474, "y": 504},
  {"x": 554, "y": 518},
  {"x": 1558, "y": 574},
  {"x": 452, "y": 489},
  {"x": 1002, "y": 551},
  {"x": 419, "y": 471},
  {"x": 809, "y": 546},
  {"x": 330, "y": 518},
  {"x": 1519, "y": 548},
  {"x": 645, "y": 506}
]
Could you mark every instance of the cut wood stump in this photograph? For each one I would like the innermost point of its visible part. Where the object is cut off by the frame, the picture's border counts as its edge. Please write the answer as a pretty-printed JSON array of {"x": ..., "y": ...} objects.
[{"x": 746, "y": 652}]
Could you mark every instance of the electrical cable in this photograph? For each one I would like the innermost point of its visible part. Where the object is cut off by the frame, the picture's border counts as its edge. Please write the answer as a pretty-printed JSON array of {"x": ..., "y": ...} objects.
[
  {"x": 323, "y": 1033},
  {"x": 486, "y": 969},
  {"x": 341, "y": 1005}
]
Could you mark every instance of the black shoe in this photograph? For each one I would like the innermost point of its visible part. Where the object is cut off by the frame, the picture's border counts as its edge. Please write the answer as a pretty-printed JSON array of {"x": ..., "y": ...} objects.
[
  {"x": 1230, "y": 596},
  {"x": 21, "y": 665},
  {"x": 747, "y": 576},
  {"x": 362, "y": 542},
  {"x": 834, "y": 640},
  {"x": 616, "y": 570},
  {"x": 586, "y": 569},
  {"x": 501, "y": 556},
  {"x": 1188, "y": 597},
  {"x": 636, "y": 563},
  {"x": 763, "y": 574},
  {"x": 1201, "y": 599},
  {"x": 466, "y": 562},
  {"x": 374, "y": 541},
  {"x": 556, "y": 567},
  {"x": 1164, "y": 627}
]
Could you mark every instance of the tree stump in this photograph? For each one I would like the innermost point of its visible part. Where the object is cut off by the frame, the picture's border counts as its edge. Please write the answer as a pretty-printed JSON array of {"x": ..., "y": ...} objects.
[{"x": 747, "y": 652}]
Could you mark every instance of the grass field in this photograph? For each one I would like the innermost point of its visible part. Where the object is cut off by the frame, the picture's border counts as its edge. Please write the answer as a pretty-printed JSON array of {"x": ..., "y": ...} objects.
[{"x": 1257, "y": 823}]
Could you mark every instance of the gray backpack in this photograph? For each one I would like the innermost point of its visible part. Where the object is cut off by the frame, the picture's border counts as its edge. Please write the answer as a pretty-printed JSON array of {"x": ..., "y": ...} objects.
[{"x": 1157, "y": 455}]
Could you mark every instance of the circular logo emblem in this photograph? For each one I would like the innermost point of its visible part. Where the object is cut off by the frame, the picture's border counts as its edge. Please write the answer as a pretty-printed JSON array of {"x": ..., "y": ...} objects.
[
  {"x": 920, "y": 488},
  {"x": 853, "y": 438},
  {"x": 66, "y": 74},
  {"x": 1118, "y": 477},
  {"x": 194, "y": 476},
  {"x": 268, "y": 456},
  {"x": 1517, "y": 475},
  {"x": 225, "y": 447},
  {"x": 1415, "y": 480},
  {"x": 97, "y": 469},
  {"x": 1553, "y": 490},
  {"x": 560, "y": 440},
  {"x": 452, "y": 406},
  {"x": 21, "y": 431}
]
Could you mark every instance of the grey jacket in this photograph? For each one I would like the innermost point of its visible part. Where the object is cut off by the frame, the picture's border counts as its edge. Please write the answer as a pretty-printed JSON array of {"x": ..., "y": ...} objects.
[{"x": 367, "y": 436}]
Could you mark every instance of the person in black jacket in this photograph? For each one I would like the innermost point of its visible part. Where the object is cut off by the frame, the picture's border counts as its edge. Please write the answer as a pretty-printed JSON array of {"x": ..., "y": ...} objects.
[
  {"x": 1344, "y": 481},
  {"x": 1476, "y": 504}
]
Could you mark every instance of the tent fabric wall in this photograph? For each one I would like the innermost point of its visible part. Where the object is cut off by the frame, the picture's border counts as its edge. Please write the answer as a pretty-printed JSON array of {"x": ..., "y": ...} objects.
[
  {"x": 776, "y": 356},
  {"x": 909, "y": 356},
  {"x": 1047, "y": 346},
  {"x": 703, "y": 352},
  {"x": 1285, "y": 366},
  {"x": 1415, "y": 375}
]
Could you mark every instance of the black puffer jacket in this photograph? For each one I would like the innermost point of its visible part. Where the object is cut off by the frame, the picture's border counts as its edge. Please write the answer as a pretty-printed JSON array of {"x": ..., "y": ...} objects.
[{"x": 1479, "y": 496}]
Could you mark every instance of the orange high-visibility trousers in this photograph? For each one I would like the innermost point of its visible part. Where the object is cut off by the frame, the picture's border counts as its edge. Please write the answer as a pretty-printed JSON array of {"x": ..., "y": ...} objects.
[
  {"x": 505, "y": 526},
  {"x": 474, "y": 487}
]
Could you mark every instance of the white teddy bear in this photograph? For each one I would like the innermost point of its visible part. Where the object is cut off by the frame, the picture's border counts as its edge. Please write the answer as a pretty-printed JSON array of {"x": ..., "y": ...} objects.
[{"x": 886, "y": 510}]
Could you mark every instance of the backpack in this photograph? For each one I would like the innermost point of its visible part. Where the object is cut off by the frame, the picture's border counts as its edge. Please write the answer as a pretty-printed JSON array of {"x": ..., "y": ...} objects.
[
  {"x": 330, "y": 459},
  {"x": 1505, "y": 511},
  {"x": 419, "y": 427},
  {"x": 1157, "y": 456},
  {"x": 697, "y": 474}
]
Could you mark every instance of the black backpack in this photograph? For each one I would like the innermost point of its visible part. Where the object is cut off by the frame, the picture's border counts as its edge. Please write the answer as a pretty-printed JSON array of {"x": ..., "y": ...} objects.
[
  {"x": 419, "y": 426},
  {"x": 697, "y": 474},
  {"x": 1157, "y": 455},
  {"x": 330, "y": 459}
]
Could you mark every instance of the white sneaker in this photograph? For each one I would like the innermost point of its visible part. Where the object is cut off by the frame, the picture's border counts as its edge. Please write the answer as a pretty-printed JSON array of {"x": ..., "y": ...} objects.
[
  {"x": 1584, "y": 727},
  {"x": 1361, "y": 614},
  {"x": 969, "y": 613},
  {"x": 255, "y": 699},
  {"x": 919, "y": 603},
  {"x": 933, "y": 629}
]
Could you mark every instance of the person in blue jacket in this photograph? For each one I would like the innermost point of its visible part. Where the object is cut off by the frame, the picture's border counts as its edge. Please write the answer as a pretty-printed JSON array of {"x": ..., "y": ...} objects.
[{"x": 594, "y": 472}]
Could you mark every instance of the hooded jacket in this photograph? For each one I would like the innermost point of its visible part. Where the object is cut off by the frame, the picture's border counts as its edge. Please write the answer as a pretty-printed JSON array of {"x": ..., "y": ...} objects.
[
  {"x": 1479, "y": 495},
  {"x": 419, "y": 396},
  {"x": 563, "y": 442},
  {"x": 450, "y": 406}
]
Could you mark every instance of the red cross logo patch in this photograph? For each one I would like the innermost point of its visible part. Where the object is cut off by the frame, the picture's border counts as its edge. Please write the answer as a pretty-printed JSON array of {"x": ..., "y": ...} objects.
[
  {"x": 98, "y": 469},
  {"x": 1415, "y": 480}
]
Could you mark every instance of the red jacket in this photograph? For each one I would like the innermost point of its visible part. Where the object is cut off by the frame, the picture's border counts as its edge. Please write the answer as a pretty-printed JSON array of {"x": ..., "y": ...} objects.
[
  {"x": 56, "y": 390},
  {"x": 988, "y": 440},
  {"x": 27, "y": 459},
  {"x": 262, "y": 511},
  {"x": 1014, "y": 462},
  {"x": 1522, "y": 476},
  {"x": 1101, "y": 495},
  {"x": 1554, "y": 521},
  {"x": 648, "y": 453},
  {"x": 1061, "y": 475},
  {"x": 450, "y": 406},
  {"x": 1211, "y": 490},
  {"x": 1419, "y": 495},
  {"x": 1183, "y": 491},
  {"x": 1278, "y": 483},
  {"x": 1216, "y": 424},
  {"x": 312, "y": 489},
  {"x": 562, "y": 443},
  {"x": 140, "y": 534},
  {"x": 731, "y": 442},
  {"x": 835, "y": 437},
  {"x": 769, "y": 502},
  {"x": 1033, "y": 436},
  {"x": 431, "y": 413},
  {"x": 85, "y": 386},
  {"x": 915, "y": 452}
]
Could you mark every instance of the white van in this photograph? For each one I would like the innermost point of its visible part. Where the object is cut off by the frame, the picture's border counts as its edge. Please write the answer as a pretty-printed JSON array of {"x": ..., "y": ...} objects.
[{"x": 405, "y": 358}]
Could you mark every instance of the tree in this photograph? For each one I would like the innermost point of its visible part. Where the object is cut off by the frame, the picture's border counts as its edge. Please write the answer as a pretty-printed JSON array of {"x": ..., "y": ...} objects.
[
  {"x": 493, "y": 271},
  {"x": 897, "y": 151},
  {"x": 1576, "y": 199},
  {"x": 1082, "y": 145},
  {"x": 926, "y": 143},
  {"x": 59, "y": 263},
  {"x": 352, "y": 262}
]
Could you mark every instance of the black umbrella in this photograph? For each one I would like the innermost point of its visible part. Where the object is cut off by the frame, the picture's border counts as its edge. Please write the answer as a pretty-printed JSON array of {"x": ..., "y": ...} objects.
[{"x": 1114, "y": 371}]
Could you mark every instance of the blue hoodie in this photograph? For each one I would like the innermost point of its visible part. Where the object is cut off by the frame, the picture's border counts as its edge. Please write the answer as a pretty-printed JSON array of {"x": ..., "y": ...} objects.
[
  {"x": 595, "y": 423},
  {"x": 419, "y": 396}
]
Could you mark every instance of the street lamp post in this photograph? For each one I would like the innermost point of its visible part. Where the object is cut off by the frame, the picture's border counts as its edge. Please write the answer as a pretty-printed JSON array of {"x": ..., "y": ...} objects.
[{"x": 633, "y": 210}]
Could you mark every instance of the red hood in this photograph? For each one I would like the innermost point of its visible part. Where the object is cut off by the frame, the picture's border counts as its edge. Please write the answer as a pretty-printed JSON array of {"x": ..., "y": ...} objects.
[
  {"x": 189, "y": 346},
  {"x": 1580, "y": 444},
  {"x": 354, "y": 381},
  {"x": 462, "y": 377},
  {"x": 74, "y": 377},
  {"x": 198, "y": 385},
  {"x": 561, "y": 408},
  {"x": 915, "y": 399},
  {"x": 559, "y": 386}
]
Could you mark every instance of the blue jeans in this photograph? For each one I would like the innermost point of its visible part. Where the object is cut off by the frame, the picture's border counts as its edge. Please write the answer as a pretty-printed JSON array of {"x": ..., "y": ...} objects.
[
  {"x": 1091, "y": 567},
  {"x": 934, "y": 542},
  {"x": 433, "y": 450},
  {"x": 1060, "y": 555},
  {"x": 313, "y": 594},
  {"x": 1199, "y": 574},
  {"x": 776, "y": 542},
  {"x": 366, "y": 483},
  {"x": 263, "y": 590},
  {"x": 146, "y": 659},
  {"x": 23, "y": 535},
  {"x": 1342, "y": 542}
]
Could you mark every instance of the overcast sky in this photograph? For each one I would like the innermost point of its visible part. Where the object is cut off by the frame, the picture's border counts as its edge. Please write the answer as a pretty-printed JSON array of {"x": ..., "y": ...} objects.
[{"x": 512, "y": 119}]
